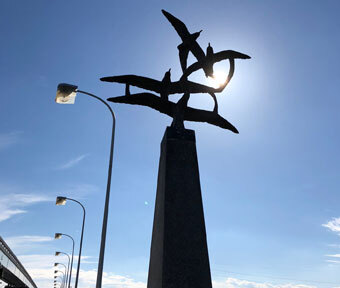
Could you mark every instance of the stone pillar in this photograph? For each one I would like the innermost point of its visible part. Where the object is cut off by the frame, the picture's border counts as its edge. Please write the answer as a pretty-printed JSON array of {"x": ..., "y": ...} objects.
[{"x": 179, "y": 253}]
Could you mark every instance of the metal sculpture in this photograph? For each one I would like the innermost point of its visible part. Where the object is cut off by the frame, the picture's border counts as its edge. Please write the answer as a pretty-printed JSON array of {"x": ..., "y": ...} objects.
[{"x": 180, "y": 111}]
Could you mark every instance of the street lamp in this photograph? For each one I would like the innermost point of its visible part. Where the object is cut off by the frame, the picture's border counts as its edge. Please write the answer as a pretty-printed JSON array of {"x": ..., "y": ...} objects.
[
  {"x": 66, "y": 94},
  {"x": 56, "y": 276},
  {"x": 58, "y": 236},
  {"x": 62, "y": 201},
  {"x": 65, "y": 277},
  {"x": 57, "y": 253}
]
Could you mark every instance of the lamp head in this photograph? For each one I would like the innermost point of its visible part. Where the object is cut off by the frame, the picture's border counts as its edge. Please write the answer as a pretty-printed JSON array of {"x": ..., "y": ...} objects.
[
  {"x": 66, "y": 93},
  {"x": 56, "y": 264},
  {"x": 57, "y": 253},
  {"x": 60, "y": 200},
  {"x": 57, "y": 235}
]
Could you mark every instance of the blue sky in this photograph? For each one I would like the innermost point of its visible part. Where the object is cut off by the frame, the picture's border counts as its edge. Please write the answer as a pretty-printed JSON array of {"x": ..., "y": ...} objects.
[{"x": 271, "y": 193}]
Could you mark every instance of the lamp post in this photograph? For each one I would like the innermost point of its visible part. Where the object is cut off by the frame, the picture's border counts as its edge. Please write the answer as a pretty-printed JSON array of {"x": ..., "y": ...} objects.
[
  {"x": 62, "y": 201},
  {"x": 56, "y": 276},
  {"x": 58, "y": 236},
  {"x": 66, "y": 94},
  {"x": 55, "y": 284},
  {"x": 57, "y": 253},
  {"x": 65, "y": 277}
]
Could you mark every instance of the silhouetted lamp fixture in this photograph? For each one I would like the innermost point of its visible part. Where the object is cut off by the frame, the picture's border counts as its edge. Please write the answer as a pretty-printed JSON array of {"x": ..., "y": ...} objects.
[
  {"x": 57, "y": 236},
  {"x": 60, "y": 201},
  {"x": 66, "y": 93}
]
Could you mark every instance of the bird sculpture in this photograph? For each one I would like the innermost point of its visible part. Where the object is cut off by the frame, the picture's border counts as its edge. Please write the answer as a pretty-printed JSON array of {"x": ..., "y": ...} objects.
[{"x": 180, "y": 111}]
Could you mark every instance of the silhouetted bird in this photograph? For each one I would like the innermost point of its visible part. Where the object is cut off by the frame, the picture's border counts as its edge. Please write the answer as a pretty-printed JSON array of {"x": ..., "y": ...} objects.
[
  {"x": 166, "y": 82},
  {"x": 210, "y": 51},
  {"x": 164, "y": 87},
  {"x": 179, "y": 112},
  {"x": 189, "y": 40},
  {"x": 208, "y": 62}
]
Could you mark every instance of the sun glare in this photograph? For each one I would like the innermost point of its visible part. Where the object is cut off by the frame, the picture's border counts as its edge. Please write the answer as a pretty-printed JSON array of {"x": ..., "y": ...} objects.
[{"x": 218, "y": 79}]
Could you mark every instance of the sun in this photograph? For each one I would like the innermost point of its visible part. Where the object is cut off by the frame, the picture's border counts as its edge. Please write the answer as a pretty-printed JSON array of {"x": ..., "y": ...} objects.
[{"x": 218, "y": 79}]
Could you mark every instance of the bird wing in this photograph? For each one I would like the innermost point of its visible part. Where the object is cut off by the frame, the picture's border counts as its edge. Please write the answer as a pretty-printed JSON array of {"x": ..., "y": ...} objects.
[
  {"x": 138, "y": 81},
  {"x": 190, "y": 87},
  {"x": 197, "y": 51},
  {"x": 228, "y": 54},
  {"x": 179, "y": 26},
  {"x": 192, "y": 68},
  {"x": 183, "y": 56}
]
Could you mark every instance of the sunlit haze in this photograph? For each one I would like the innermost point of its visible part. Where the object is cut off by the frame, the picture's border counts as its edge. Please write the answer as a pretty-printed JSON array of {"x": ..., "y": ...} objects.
[{"x": 218, "y": 79}]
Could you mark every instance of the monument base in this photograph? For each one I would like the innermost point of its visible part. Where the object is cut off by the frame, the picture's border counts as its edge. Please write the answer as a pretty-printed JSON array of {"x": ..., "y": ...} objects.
[{"x": 179, "y": 254}]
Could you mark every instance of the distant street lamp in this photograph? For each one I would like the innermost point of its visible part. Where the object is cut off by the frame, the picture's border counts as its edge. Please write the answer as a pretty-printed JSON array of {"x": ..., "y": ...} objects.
[
  {"x": 66, "y": 94},
  {"x": 62, "y": 201},
  {"x": 56, "y": 276},
  {"x": 65, "y": 277},
  {"x": 57, "y": 253},
  {"x": 58, "y": 236}
]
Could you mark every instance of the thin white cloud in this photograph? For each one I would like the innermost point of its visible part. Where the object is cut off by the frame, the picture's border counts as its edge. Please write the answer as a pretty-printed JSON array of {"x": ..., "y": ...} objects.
[
  {"x": 333, "y": 261},
  {"x": 19, "y": 241},
  {"x": 334, "y": 255},
  {"x": 238, "y": 283},
  {"x": 14, "y": 204},
  {"x": 333, "y": 225},
  {"x": 8, "y": 213},
  {"x": 40, "y": 267},
  {"x": 8, "y": 139},
  {"x": 72, "y": 162}
]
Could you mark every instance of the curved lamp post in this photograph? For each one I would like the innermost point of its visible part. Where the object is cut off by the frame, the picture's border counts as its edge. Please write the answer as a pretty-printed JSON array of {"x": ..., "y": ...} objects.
[
  {"x": 65, "y": 277},
  {"x": 58, "y": 236},
  {"x": 57, "y": 253},
  {"x": 66, "y": 94},
  {"x": 56, "y": 282},
  {"x": 56, "y": 276},
  {"x": 62, "y": 201}
]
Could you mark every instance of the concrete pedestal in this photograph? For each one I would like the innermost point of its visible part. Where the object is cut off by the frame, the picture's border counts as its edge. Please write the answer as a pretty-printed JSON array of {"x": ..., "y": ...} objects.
[{"x": 179, "y": 253}]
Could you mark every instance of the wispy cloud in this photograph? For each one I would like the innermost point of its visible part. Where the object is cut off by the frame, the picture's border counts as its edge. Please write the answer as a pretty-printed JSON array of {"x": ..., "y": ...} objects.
[
  {"x": 334, "y": 255},
  {"x": 8, "y": 139},
  {"x": 13, "y": 204},
  {"x": 72, "y": 162},
  {"x": 333, "y": 225},
  {"x": 238, "y": 283},
  {"x": 333, "y": 261},
  {"x": 19, "y": 241},
  {"x": 40, "y": 267}
]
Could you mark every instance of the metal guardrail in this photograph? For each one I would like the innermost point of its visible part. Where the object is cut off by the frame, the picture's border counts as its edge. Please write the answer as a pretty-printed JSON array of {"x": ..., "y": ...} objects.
[{"x": 12, "y": 263}]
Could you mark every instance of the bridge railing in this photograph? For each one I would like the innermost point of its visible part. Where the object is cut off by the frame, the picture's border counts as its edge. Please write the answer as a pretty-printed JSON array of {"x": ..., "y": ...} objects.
[{"x": 11, "y": 263}]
